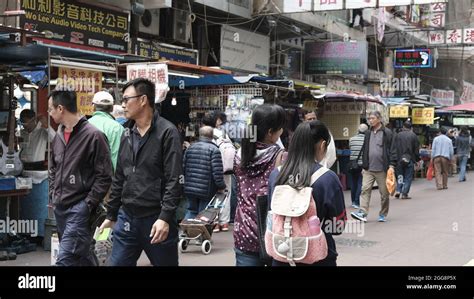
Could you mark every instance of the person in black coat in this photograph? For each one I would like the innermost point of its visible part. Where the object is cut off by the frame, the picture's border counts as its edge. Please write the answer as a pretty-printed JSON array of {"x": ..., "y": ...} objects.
[{"x": 203, "y": 172}]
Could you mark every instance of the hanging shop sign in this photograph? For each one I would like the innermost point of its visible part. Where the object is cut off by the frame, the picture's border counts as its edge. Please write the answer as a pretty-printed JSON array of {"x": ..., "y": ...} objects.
[
  {"x": 163, "y": 52},
  {"x": 84, "y": 82},
  {"x": 292, "y": 6},
  {"x": 451, "y": 37},
  {"x": 344, "y": 108},
  {"x": 463, "y": 121},
  {"x": 413, "y": 58},
  {"x": 338, "y": 86},
  {"x": 442, "y": 97},
  {"x": 423, "y": 116},
  {"x": 467, "y": 93},
  {"x": 344, "y": 58},
  {"x": 244, "y": 50},
  {"x": 77, "y": 24},
  {"x": 399, "y": 111},
  {"x": 156, "y": 73}
]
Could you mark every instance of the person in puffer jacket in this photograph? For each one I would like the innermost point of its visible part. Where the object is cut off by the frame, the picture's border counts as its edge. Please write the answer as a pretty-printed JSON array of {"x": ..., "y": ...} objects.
[{"x": 203, "y": 172}]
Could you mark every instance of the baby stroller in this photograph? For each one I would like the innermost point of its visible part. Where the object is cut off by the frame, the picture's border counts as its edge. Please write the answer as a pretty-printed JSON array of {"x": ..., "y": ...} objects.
[{"x": 199, "y": 229}]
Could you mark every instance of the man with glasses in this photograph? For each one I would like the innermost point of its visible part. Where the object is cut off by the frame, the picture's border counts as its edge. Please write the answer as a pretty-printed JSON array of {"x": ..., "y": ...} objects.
[
  {"x": 80, "y": 176},
  {"x": 147, "y": 184},
  {"x": 378, "y": 155}
]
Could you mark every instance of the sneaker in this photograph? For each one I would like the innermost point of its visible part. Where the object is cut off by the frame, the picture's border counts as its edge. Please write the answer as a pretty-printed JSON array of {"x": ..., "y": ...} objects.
[
  {"x": 217, "y": 228},
  {"x": 405, "y": 196},
  {"x": 355, "y": 206},
  {"x": 225, "y": 227},
  {"x": 361, "y": 216},
  {"x": 382, "y": 218},
  {"x": 397, "y": 195}
]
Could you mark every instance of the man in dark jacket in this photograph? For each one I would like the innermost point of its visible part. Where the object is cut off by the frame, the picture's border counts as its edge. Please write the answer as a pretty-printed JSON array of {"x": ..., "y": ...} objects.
[
  {"x": 378, "y": 155},
  {"x": 408, "y": 153},
  {"x": 203, "y": 172},
  {"x": 146, "y": 187},
  {"x": 79, "y": 178}
]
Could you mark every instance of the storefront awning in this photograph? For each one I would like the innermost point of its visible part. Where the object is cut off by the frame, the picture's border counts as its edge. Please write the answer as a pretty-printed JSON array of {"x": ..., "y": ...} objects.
[
  {"x": 468, "y": 107},
  {"x": 195, "y": 81}
]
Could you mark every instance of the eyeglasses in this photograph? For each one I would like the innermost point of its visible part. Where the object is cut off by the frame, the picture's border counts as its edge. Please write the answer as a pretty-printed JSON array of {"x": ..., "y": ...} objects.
[{"x": 126, "y": 99}]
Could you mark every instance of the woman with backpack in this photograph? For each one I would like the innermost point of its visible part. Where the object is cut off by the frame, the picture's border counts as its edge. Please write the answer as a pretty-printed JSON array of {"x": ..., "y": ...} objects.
[
  {"x": 254, "y": 162},
  {"x": 308, "y": 147}
]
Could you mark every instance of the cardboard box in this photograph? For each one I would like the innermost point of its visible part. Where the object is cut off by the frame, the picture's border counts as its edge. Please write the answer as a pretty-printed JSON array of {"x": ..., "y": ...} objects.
[{"x": 54, "y": 249}]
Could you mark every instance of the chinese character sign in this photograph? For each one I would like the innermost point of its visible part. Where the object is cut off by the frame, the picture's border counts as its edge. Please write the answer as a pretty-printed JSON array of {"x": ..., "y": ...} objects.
[
  {"x": 355, "y": 4},
  {"x": 84, "y": 82},
  {"x": 290, "y": 6},
  {"x": 156, "y": 73},
  {"x": 399, "y": 111},
  {"x": 469, "y": 36},
  {"x": 454, "y": 36},
  {"x": 423, "y": 116},
  {"x": 437, "y": 20},
  {"x": 468, "y": 93},
  {"x": 442, "y": 97}
]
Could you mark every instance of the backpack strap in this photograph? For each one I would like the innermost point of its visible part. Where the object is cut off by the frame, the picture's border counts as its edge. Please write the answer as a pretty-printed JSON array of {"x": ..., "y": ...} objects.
[{"x": 319, "y": 173}]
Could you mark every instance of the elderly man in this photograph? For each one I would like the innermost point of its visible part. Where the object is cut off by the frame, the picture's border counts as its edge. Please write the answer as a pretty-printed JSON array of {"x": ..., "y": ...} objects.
[
  {"x": 202, "y": 172},
  {"x": 378, "y": 154}
]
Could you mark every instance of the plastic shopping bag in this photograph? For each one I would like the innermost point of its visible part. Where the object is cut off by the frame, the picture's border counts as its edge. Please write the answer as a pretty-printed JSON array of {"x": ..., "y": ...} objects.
[
  {"x": 391, "y": 181},
  {"x": 430, "y": 173}
]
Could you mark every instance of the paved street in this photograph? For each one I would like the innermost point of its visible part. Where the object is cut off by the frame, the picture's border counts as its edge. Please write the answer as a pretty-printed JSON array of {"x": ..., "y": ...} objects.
[{"x": 434, "y": 228}]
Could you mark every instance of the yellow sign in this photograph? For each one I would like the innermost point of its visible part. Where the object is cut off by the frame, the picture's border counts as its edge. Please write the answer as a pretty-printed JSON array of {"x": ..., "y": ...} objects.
[
  {"x": 423, "y": 116},
  {"x": 399, "y": 111},
  {"x": 85, "y": 83},
  {"x": 310, "y": 105}
]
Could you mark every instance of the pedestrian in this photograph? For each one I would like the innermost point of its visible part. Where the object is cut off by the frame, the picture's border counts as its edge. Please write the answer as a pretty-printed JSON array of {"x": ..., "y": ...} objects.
[
  {"x": 330, "y": 157},
  {"x": 217, "y": 120},
  {"x": 310, "y": 143},
  {"x": 253, "y": 164},
  {"x": 202, "y": 172},
  {"x": 119, "y": 114},
  {"x": 79, "y": 178},
  {"x": 441, "y": 154},
  {"x": 355, "y": 145},
  {"x": 35, "y": 137},
  {"x": 378, "y": 154},
  {"x": 147, "y": 184},
  {"x": 408, "y": 154},
  {"x": 453, "y": 167},
  {"x": 103, "y": 120},
  {"x": 34, "y": 143},
  {"x": 463, "y": 145}
]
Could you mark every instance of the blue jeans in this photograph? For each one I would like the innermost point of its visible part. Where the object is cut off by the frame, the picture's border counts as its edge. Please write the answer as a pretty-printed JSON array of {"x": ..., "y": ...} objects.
[
  {"x": 132, "y": 235},
  {"x": 462, "y": 167},
  {"x": 405, "y": 177},
  {"x": 75, "y": 236},
  {"x": 356, "y": 187},
  {"x": 247, "y": 259},
  {"x": 195, "y": 206}
]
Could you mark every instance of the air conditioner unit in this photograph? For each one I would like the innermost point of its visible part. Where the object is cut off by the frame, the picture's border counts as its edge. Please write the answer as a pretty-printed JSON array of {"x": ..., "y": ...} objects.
[
  {"x": 181, "y": 32},
  {"x": 150, "y": 22}
]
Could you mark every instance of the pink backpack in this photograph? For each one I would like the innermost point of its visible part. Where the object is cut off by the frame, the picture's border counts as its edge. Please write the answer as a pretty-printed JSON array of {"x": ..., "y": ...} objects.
[{"x": 294, "y": 233}]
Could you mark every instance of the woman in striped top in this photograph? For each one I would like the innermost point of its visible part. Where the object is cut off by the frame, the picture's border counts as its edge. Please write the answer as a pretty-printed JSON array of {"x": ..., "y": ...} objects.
[{"x": 355, "y": 144}]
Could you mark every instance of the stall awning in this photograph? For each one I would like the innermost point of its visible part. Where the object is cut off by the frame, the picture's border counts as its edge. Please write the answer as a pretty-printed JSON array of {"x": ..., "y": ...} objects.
[
  {"x": 344, "y": 96},
  {"x": 468, "y": 107},
  {"x": 176, "y": 81}
]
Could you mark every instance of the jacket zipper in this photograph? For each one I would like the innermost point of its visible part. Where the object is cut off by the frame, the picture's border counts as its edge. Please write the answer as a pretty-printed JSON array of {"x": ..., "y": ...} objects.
[{"x": 131, "y": 149}]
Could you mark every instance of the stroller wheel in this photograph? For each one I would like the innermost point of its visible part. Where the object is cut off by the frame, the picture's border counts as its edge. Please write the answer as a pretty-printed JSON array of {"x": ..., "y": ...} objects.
[
  {"x": 206, "y": 247},
  {"x": 183, "y": 245}
]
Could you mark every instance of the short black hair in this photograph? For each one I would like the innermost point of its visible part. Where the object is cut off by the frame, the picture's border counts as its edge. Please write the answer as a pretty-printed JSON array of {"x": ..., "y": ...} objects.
[
  {"x": 407, "y": 125},
  {"x": 143, "y": 86},
  {"x": 443, "y": 130},
  {"x": 104, "y": 108},
  {"x": 67, "y": 99},
  {"x": 28, "y": 114}
]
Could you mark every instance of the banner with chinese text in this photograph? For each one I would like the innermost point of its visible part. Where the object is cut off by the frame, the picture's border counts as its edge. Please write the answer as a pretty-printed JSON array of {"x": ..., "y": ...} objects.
[
  {"x": 76, "y": 23},
  {"x": 423, "y": 116},
  {"x": 399, "y": 111},
  {"x": 85, "y": 83},
  {"x": 156, "y": 73}
]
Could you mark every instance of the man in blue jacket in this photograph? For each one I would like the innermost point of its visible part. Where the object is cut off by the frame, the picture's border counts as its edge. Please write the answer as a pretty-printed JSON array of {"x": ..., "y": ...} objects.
[{"x": 203, "y": 172}]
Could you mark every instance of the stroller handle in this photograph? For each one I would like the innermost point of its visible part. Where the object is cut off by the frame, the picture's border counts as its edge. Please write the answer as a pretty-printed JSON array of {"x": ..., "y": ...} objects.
[{"x": 218, "y": 200}]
